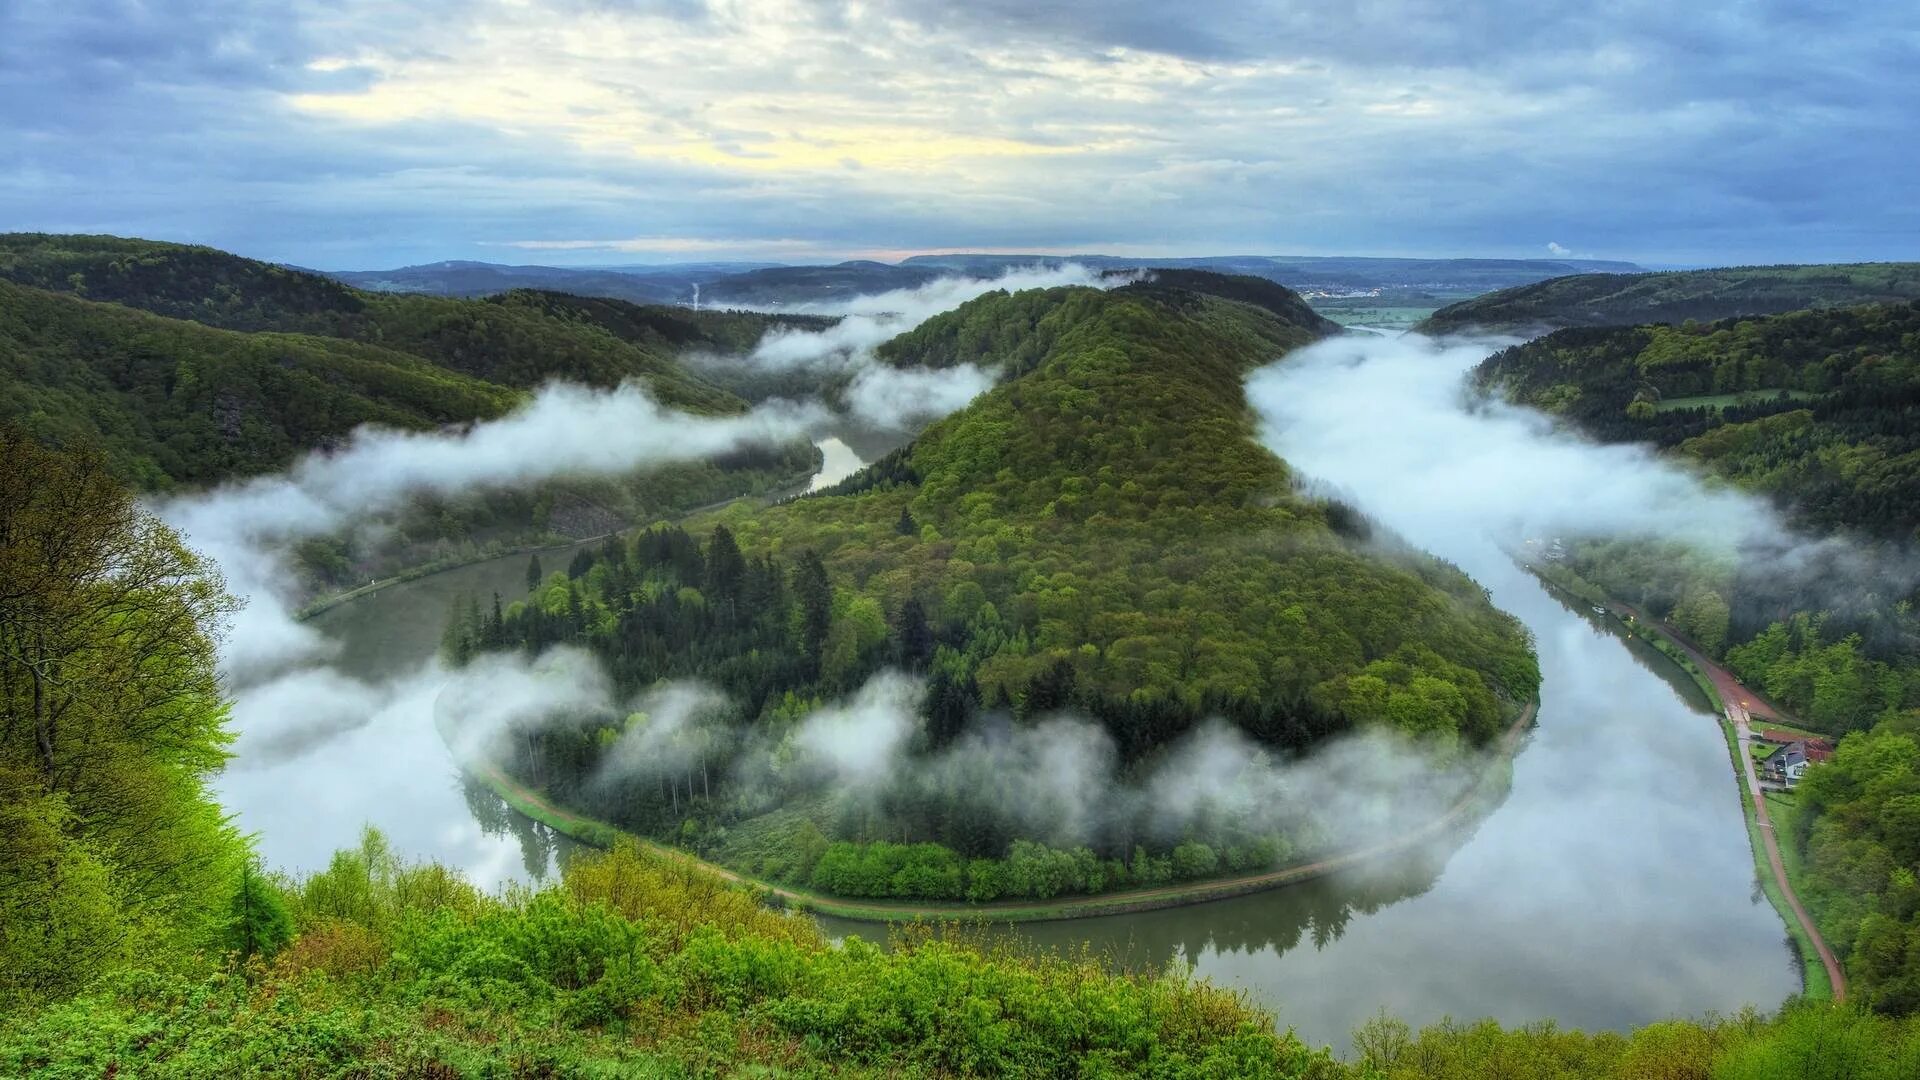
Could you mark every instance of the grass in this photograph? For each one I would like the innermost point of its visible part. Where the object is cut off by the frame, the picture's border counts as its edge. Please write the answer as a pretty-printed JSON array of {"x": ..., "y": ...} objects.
[
  {"x": 1721, "y": 401},
  {"x": 1780, "y": 725}
]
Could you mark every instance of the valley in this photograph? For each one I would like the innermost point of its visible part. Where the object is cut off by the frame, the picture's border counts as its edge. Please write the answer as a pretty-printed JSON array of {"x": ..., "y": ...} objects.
[{"x": 1425, "y": 933}]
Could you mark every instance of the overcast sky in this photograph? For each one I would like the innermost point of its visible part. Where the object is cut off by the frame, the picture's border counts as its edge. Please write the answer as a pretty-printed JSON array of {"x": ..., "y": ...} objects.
[{"x": 357, "y": 134}]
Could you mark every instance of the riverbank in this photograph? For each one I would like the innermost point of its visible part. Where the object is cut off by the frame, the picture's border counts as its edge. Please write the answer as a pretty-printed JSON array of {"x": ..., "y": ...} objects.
[
  {"x": 1483, "y": 795},
  {"x": 1822, "y": 976}
]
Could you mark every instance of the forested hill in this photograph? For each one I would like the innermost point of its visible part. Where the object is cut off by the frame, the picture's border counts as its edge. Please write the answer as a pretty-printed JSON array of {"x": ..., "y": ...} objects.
[
  {"x": 187, "y": 366},
  {"x": 521, "y": 338},
  {"x": 1819, "y": 409},
  {"x": 1100, "y": 533},
  {"x": 1675, "y": 297},
  {"x": 173, "y": 402}
]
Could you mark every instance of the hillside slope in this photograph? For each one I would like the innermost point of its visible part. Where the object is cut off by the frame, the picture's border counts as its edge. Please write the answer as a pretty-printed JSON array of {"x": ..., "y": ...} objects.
[
  {"x": 174, "y": 402},
  {"x": 1675, "y": 296},
  {"x": 189, "y": 366},
  {"x": 1818, "y": 409},
  {"x": 521, "y": 338}
]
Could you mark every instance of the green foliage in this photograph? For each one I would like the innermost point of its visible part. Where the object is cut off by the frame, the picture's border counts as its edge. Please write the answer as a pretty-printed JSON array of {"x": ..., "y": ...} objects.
[
  {"x": 1805, "y": 1042},
  {"x": 1826, "y": 425},
  {"x": 1101, "y": 533},
  {"x": 259, "y": 924},
  {"x": 111, "y": 721},
  {"x": 1862, "y": 845},
  {"x": 174, "y": 402},
  {"x": 634, "y": 966},
  {"x": 638, "y": 966}
]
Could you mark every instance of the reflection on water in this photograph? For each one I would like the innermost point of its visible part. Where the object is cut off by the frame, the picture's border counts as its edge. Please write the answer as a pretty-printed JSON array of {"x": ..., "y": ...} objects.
[
  {"x": 543, "y": 849},
  {"x": 392, "y": 771},
  {"x": 838, "y": 462}
]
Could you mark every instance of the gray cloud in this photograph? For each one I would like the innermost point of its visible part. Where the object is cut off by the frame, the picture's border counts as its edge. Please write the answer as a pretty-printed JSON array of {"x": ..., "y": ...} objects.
[{"x": 1766, "y": 130}]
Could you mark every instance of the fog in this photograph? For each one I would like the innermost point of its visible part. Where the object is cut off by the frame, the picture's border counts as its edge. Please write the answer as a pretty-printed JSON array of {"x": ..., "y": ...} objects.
[
  {"x": 867, "y": 321},
  {"x": 564, "y": 431},
  {"x": 1058, "y": 779},
  {"x": 1391, "y": 421},
  {"x": 1392, "y": 424},
  {"x": 881, "y": 395},
  {"x": 1620, "y": 855},
  {"x": 297, "y": 707}
]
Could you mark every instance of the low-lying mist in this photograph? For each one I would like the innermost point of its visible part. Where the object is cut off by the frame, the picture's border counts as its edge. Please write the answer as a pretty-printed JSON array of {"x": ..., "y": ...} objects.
[
  {"x": 1391, "y": 424},
  {"x": 1058, "y": 779},
  {"x": 295, "y": 702},
  {"x": 565, "y": 431},
  {"x": 842, "y": 355}
]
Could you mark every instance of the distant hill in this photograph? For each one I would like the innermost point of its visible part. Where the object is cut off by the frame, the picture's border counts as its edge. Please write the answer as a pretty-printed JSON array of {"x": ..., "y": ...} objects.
[
  {"x": 174, "y": 402},
  {"x": 1676, "y": 296},
  {"x": 669, "y": 284},
  {"x": 774, "y": 285},
  {"x": 518, "y": 338},
  {"x": 790, "y": 285},
  {"x": 190, "y": 366},
  {"x": 1819, "y": 409},
  {"x": 1314, "y": 271}
]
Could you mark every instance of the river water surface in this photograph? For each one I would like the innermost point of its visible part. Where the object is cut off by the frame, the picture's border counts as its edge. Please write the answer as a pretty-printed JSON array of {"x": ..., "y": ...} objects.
[{"x": 1613, "y": 887}]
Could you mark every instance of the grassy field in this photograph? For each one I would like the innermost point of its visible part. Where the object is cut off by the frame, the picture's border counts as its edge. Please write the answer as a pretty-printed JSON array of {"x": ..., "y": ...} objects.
[
  {"x": 1721, "y": 401},
  {"x": 1372, "y": 315}
]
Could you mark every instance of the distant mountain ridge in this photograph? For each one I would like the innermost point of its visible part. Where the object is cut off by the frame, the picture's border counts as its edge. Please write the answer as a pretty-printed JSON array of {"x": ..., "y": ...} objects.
[
  {"x": 780, "y": 285},
  {"x": 470, "y": 279},
  {"x": 1675, "y": 296}
]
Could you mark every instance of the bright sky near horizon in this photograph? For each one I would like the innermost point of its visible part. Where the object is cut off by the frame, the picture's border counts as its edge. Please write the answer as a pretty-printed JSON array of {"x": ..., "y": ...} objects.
[{"x": 358, "y": 133}]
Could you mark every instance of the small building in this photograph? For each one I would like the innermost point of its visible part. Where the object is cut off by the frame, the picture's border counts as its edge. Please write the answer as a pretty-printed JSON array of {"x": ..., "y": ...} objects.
[{"x": 1788, "y": 764}]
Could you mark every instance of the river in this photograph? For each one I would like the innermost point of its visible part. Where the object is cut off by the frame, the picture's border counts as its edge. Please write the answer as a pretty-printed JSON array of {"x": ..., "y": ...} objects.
[{"x": 1614, "y": 886}]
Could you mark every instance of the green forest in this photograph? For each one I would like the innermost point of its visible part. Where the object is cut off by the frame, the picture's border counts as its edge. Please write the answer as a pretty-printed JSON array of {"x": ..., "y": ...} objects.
[
  {"x": 1101, "y": 533},
  {"x": 139, "y": 937},
  {"x": 1818, "y": 409},
  {"x": 1820, "y": 412},
  {"x": 189, "y": 366},
  {"x": 1675, "y": 296}
]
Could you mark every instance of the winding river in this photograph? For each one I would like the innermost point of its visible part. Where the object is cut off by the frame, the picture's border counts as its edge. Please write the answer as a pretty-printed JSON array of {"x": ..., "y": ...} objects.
[{"x": 1614, "y": 886}]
